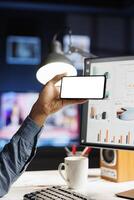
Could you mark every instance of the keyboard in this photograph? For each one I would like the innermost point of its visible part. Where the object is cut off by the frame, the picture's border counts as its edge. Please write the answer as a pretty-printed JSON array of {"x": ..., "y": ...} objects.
[{"x": 54, "y": 192}]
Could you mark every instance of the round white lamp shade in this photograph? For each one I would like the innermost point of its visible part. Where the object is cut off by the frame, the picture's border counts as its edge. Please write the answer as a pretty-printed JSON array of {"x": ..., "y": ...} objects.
[
  {"x": 48, "y": 71},
  {"x": 56, "y": 63}
]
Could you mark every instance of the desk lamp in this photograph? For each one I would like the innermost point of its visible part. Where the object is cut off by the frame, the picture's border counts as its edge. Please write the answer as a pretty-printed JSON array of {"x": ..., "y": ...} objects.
[{"x": 58, "y": 62}]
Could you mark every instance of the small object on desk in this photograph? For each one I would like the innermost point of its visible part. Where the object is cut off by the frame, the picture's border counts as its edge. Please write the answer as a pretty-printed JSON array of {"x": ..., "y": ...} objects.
[
  {"x": 54, "y": 192},
  {"x": 129, "y": 194},
  {"x": 73, "y": 149},
  {"x": 67, "y": 150},
  {"x": 86, "y": 151}
]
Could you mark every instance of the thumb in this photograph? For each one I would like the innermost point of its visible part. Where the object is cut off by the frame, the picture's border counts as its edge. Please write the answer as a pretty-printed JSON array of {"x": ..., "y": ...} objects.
[{"x": 57, "y": 78}]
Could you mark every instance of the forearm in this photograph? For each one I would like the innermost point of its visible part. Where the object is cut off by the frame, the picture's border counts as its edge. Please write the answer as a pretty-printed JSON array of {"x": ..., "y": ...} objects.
[
  {"x": 37, "y": 115},
  {"x": 16, "y": 155}
]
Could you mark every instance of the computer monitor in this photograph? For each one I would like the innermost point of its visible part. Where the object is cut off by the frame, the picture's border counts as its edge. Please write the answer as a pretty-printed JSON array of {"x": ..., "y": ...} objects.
[
  {"x": 109, "y": 123},
  {"x": 61, "y": 129}
]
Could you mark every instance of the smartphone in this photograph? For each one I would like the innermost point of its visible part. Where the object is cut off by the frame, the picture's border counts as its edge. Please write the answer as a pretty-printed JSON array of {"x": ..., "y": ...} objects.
[{"x": 83, "y": 87}]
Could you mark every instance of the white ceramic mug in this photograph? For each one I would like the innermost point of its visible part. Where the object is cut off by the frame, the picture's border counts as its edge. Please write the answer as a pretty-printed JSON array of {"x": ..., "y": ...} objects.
[{"x": 76, "y": 171}]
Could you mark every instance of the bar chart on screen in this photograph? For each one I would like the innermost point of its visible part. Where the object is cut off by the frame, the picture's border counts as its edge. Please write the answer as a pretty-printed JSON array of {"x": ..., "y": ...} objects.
[{"x": 121, "y": 139}]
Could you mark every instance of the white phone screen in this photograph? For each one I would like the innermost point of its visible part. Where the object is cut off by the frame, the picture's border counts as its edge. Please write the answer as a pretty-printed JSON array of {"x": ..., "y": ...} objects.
[{"x": 83, "y": 87}]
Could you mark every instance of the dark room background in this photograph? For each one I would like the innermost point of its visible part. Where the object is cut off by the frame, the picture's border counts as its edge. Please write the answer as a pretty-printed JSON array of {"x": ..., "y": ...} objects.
[{"x": 110, "y": 26}]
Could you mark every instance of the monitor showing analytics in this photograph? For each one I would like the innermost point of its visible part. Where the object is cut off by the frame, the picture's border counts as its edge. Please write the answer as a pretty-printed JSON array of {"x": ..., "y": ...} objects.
[{"x": 109, "y": 122}]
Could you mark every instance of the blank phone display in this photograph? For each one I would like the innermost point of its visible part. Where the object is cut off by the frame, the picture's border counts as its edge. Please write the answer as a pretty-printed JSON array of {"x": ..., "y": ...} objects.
[{"x": 83, "y": 87}]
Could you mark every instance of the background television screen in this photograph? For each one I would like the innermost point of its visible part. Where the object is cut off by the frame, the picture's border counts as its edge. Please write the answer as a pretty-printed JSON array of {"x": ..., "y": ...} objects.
[
  {"x": 110, "y": 122},
  {"x": 60, "y": 129},
  {"x": 81, "y": 42}
]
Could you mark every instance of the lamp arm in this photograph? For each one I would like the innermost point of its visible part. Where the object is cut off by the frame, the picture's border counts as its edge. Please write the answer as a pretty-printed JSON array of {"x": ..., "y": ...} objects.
[{"x": 73, "y": 49}]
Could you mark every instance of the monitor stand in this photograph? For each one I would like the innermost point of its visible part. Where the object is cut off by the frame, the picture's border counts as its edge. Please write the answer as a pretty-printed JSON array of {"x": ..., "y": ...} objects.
[{"x": 129, "y": 194}]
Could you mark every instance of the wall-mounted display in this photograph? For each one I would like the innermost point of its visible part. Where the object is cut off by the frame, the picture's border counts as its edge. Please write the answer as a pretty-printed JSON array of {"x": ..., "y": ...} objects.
[
  {"x": 25, "y": 50},
  {"x": 60, "y": 129},
  {"x": 78, "y": 41}
]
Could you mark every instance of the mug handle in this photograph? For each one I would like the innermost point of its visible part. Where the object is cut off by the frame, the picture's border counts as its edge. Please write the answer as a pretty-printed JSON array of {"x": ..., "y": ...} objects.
[{"x": 61, "y": 165}]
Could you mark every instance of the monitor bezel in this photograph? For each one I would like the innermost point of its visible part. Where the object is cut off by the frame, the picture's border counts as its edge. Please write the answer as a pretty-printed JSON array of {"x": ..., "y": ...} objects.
[{"x": 87, "y": 64}]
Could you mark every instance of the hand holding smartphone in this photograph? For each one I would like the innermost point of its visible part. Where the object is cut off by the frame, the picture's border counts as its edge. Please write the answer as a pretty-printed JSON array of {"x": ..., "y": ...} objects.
[{"x": 83, "y": 87}]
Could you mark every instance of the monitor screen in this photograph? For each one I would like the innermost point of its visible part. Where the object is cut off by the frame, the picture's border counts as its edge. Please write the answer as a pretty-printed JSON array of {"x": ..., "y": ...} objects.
[
  {"x": 60, "y": 129},
  {"x": 110, "y": 122}
]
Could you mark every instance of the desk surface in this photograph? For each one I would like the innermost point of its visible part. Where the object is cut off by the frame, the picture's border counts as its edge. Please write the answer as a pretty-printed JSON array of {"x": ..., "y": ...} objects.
[{"x": 98, "y": 188}]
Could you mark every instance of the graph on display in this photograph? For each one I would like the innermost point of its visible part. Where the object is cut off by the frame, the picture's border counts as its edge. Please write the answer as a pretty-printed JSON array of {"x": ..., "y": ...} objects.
[{"x": 122, "y": 139}]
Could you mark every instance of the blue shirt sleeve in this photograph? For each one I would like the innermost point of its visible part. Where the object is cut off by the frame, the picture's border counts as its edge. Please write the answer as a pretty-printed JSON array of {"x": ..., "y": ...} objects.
[{"x": 17, "y": 154}]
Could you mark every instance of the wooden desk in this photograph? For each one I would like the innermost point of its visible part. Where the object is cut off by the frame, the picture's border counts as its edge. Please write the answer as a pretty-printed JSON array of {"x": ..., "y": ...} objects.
[{"x": 98, "y": 188}]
